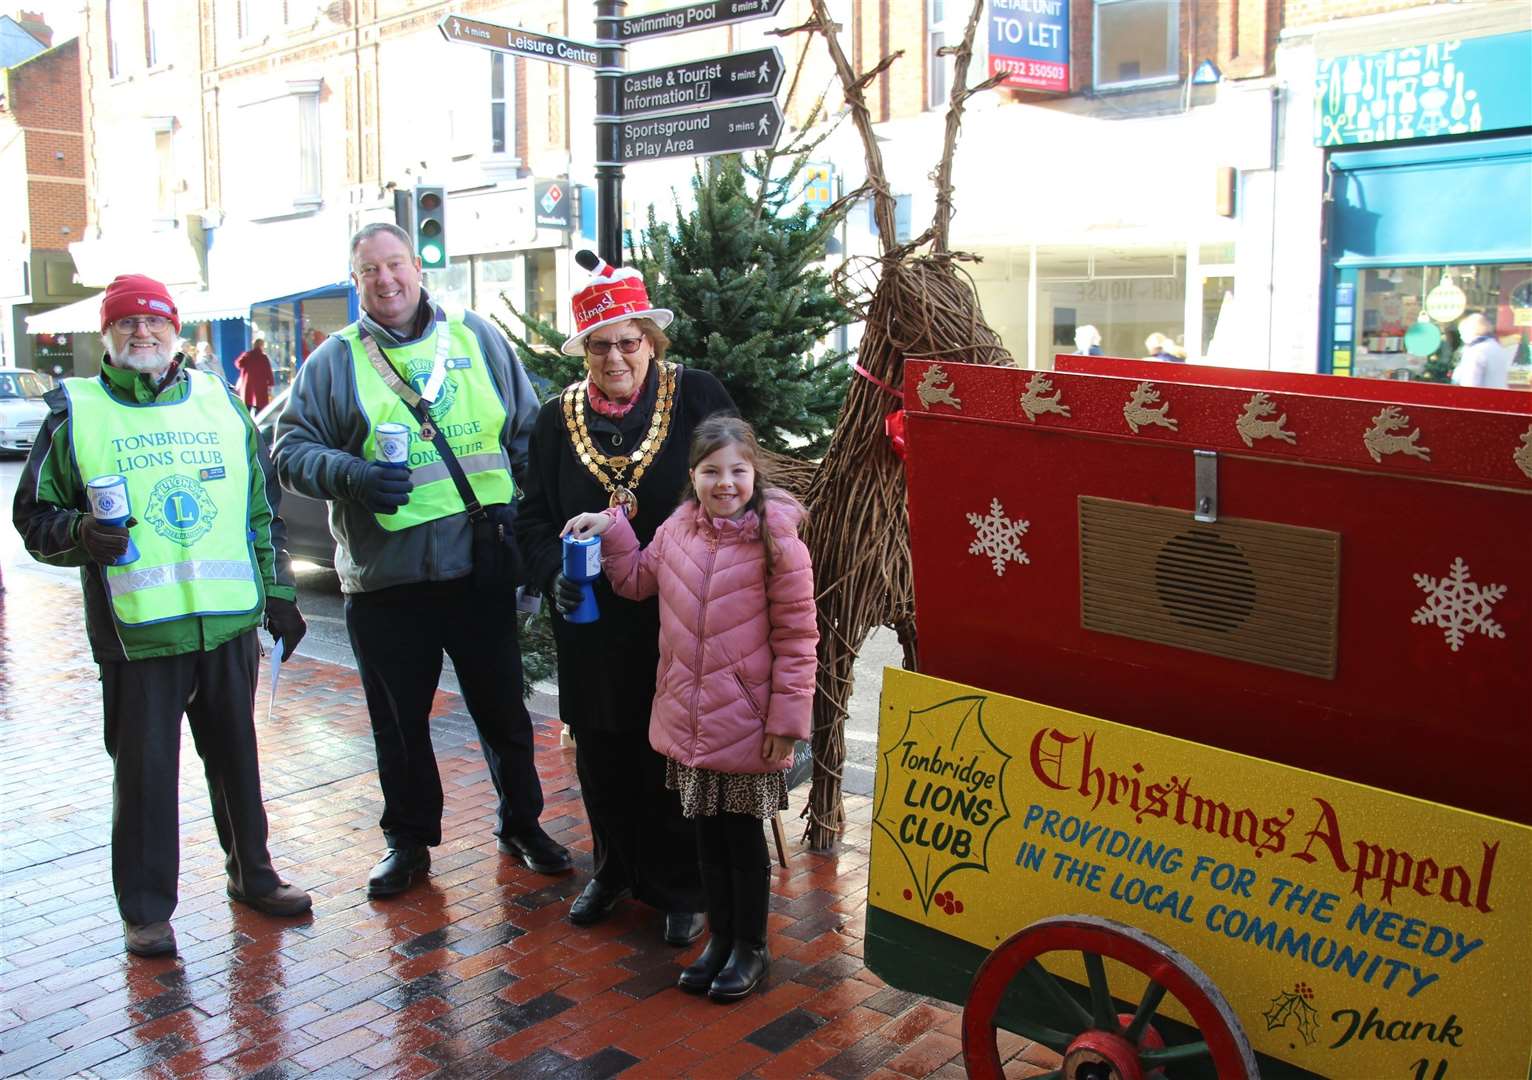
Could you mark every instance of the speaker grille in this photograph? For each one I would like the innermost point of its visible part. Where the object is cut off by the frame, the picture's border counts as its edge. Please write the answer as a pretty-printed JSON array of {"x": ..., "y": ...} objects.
[{"x": 1247, "y": 590}]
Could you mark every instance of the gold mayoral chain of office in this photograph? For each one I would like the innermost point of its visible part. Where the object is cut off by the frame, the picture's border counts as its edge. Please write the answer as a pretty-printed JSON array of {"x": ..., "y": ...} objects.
[{"x": 610, "y": 470}]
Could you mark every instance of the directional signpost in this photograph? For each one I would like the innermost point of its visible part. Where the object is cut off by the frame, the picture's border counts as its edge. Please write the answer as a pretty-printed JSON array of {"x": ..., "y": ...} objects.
[
  {"x": 715, "y": 81},
  {"x": 721, "y": 105},
  {"x": 728, "y": 130},
  {"x": 693, "y": 17}
]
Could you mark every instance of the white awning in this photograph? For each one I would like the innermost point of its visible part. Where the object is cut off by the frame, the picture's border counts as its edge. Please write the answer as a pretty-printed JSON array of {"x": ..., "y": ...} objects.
[
  {"x": 80, "y": 317},
  {"x": 84, "y": 316},
  {"x": 166, "y": 256}
]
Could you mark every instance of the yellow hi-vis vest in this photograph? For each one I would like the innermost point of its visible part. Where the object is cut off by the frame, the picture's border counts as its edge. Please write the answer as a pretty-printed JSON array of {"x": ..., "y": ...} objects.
[
  {"x": 467, "y": 410},
  {"x": 188, "y": 479}
]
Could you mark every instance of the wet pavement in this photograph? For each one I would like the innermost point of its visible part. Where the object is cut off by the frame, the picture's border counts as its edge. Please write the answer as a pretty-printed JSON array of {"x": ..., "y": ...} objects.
[{"x": 475, "y": 973}]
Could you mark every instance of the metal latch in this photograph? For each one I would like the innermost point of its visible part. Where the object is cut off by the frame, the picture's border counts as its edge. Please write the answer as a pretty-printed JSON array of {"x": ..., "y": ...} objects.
[{"x": 1205, "y": 506}]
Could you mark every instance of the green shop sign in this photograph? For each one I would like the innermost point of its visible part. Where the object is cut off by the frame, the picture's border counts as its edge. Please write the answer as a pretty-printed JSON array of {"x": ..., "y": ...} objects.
[{"x": 1444, "y": 88}]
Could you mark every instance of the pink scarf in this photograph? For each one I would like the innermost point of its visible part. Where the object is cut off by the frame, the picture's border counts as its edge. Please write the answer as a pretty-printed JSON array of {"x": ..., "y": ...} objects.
[{"x": 605, "y": 405}]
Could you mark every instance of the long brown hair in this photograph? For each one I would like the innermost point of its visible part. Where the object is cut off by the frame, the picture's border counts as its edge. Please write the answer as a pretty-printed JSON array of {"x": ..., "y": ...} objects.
[{"x": 711, "y": 436}]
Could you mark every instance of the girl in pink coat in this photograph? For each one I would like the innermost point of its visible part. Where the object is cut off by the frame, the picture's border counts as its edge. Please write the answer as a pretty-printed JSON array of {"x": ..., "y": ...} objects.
[{"x": 735, "y": 689}]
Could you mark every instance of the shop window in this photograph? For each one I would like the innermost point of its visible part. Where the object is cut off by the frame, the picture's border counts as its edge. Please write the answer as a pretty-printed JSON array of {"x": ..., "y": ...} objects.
[
  {"x": 1404, "y": 323},
  {"x": 1126, "y": 294},
  {"x": 1137, "y": 42},
  {"x": 542, "y": 287}
]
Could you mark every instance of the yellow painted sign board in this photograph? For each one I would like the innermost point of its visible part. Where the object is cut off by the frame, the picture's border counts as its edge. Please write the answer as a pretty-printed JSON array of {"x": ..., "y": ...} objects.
[{"x": 1355, "y": 932}]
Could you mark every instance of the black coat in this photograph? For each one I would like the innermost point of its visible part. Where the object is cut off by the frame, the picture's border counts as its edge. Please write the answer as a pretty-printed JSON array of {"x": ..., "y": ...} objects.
[{"x": 607, "y": 668}]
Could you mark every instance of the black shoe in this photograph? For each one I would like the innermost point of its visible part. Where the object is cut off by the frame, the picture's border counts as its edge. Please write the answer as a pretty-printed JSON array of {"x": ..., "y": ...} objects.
[
  {"x": 398, "y": 870},
  {"x": 741, "y": 975},
  {"x": 595, "y": 903},
  {"x": 683, "y": 927},
  {"x": 538, "y": 850},
  {"x": 699, "y": 976}
]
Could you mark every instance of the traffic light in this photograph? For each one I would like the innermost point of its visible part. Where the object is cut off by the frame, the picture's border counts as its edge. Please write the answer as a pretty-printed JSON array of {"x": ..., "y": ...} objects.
[{"x": 431, "y": 227}]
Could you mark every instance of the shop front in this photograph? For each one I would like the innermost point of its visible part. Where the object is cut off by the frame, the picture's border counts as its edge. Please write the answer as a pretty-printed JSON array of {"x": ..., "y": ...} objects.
[
  {"x": 1428, "y": 204},
  {"x": 295, "y": 325}
]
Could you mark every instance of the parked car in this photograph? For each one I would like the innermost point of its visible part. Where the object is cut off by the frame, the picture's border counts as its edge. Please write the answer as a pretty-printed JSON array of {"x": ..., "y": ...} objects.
[
  {"x": 308, "y": 520},
  {"x": 22, "y": 409}
]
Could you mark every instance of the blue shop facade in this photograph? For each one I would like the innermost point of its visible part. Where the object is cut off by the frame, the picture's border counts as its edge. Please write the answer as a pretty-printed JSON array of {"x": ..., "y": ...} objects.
[{"x": 1427, "y": 204}]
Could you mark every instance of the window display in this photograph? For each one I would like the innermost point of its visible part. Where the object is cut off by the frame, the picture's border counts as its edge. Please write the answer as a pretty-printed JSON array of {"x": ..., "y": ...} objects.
[{"x": 1404, "y": 324}]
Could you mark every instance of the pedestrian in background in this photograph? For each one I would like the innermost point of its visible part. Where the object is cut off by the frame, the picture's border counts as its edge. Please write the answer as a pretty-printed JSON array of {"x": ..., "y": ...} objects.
[
  {"x": 174, "y": 630},
  {"x": 1163, "y": 347},
  {"x": 255, "y": 376},
  {"x": 418, "y": 580},
  {"x": 1483, "y": 361},
  {"x": 203, "y": 360},
  {"x": 1088, "y": 341},
  {"x": 738, "y": 632}
]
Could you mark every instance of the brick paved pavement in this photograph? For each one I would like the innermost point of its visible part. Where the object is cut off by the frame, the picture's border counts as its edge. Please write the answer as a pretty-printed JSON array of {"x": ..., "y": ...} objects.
[{"x": 478, "y": 973}]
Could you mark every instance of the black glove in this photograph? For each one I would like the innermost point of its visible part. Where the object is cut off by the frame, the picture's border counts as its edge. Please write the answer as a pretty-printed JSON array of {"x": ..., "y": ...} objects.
[
  {"x": 285, "y": 622},
  {"x": 104, "y": 543},
  {"x": 566, "y": 594},
  {"x": 380, "y": 488}
]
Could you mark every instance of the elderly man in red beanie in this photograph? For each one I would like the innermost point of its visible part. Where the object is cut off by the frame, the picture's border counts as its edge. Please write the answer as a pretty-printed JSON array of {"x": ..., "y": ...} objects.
[{"x": 171, "y": 516}]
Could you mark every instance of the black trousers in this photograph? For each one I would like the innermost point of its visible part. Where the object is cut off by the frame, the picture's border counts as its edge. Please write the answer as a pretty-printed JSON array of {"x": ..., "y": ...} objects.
[
  {"x": 641, "y": 838},
  {"x": 143, "y": 702},
  {"x": 399, "y": 636}
]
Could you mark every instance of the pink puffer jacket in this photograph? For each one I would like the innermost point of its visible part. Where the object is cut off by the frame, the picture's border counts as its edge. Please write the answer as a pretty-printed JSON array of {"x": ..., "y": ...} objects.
[{"x": 737, "y": 652}]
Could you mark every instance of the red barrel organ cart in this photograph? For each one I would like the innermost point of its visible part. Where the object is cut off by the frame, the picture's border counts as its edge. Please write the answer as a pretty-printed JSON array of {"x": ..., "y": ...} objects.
[{"x": 1220, "y": 758}]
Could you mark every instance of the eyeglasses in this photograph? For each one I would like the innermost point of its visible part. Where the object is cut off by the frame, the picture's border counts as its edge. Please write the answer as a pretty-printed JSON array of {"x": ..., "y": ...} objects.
[
  {"x": 152, "y": 323},
  {"x": 628, "y": 345}
]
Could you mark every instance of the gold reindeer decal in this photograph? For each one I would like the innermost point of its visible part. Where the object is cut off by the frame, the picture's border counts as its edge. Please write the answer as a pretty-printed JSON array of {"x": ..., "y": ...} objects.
[
  {"x": 931, "y": 393},
  {"x": 1251, "y": 426},
  {"x": 1137, "y": 410},
  {"x": 1523, "y": 454},
  {"x": 1380, "y": 442},
  {"x": 1034, "y": 404}
]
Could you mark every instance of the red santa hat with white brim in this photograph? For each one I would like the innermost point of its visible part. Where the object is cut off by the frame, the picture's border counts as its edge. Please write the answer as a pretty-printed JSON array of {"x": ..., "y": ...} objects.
[{"x": 614, "y": 295}]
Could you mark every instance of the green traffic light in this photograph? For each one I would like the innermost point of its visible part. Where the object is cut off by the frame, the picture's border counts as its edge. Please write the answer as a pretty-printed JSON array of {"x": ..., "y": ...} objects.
[{"x": 431, "y": 255}]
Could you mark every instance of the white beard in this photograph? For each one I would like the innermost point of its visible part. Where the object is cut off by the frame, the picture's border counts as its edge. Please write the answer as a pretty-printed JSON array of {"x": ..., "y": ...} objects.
[{"x": 145, "y": 363}]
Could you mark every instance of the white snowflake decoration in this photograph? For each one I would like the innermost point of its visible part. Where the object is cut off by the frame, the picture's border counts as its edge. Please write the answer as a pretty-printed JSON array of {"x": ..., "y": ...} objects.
[
  {"x": 1458, "y": 605},
  {"x": 999, "y": 537}
]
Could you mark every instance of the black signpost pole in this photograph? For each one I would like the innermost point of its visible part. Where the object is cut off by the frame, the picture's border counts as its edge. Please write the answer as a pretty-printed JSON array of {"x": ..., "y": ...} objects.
[{"x": 608, "y": 146}]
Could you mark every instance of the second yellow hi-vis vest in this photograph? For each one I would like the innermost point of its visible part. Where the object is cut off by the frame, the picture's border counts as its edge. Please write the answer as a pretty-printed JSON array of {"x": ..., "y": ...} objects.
[
  {"x": 467, "y": 410},
  {"x": 188, "y": 478}
]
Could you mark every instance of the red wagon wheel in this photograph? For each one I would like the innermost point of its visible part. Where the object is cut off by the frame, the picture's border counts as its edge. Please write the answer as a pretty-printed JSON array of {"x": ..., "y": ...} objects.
[{"x": 1103, "y": 1044}]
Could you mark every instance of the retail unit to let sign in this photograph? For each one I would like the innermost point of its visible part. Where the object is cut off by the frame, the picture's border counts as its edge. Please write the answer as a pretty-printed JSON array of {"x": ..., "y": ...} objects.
[{"x": 1029, "y": 42}]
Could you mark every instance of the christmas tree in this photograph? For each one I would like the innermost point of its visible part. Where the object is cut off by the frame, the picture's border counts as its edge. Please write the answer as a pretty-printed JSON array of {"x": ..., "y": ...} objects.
[{"x": 742, "y": 273}]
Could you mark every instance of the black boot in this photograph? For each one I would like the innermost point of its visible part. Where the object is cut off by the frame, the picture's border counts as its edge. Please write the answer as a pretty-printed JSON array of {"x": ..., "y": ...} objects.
[
  {"x": 719, "y": 893},
  {"x": 748, "y": 960}
]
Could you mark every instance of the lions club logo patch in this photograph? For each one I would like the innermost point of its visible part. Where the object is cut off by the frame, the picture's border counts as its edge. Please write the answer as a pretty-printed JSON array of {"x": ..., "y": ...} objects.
[
  {"x": 181, "y": 510},
  {"x": 420, "y": 375}
]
